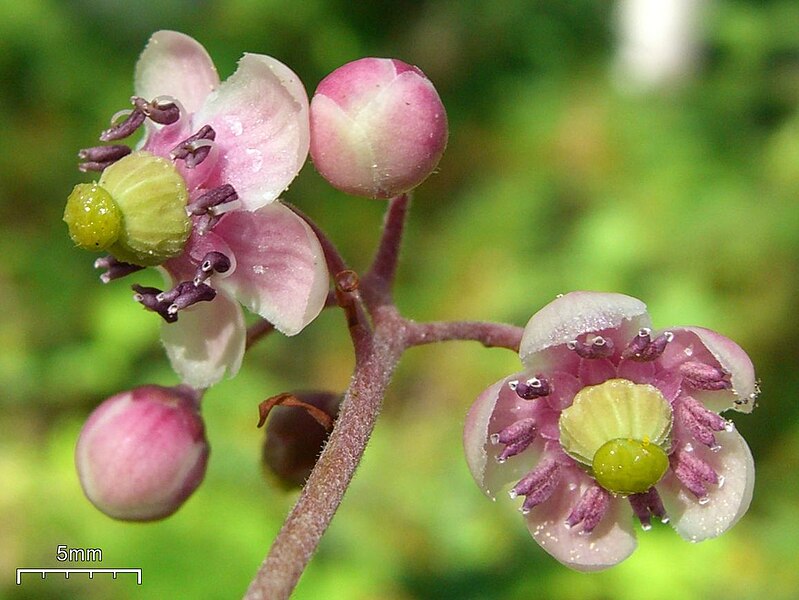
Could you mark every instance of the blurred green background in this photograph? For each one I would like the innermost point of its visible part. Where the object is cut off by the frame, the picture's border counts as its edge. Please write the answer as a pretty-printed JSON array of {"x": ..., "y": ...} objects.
[{"x": 555, "y": 179}]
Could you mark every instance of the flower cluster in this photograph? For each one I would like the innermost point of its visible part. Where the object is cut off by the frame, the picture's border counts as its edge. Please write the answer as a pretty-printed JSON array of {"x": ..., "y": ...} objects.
[
  {"x": 198, "y": 197},
  {"x": 611, "y": 419}
]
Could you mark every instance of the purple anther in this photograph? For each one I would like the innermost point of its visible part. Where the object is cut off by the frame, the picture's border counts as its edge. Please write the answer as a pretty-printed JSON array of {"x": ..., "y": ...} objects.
[
  {"x": 194, "y": 149},
  {"x": 190, "y": 294},
  {"x": 148, "y": 297},
  {"x": 532, "y": 388},
  {"x": 647, "y": 505},
  {"x": 98, "y": 158},
  {"x": 114, "y": 269},
  {"x": 213, "y": 262},
  {"x": 124, "y": 128},
  {"x": 590, "y": 509},
  {"x": 219, "y": 195},
  {"x": 596, "y": 347},
  {"x": 701, "y": 376},
  {"x": 700, "y": 421},
  {"x": 643, "y": 348},
  {"x": 516, "y": 437},
  {"x": 538, "y": 485},
  {"x": 693, "y": 472},
  {"x": 159, "y": 110}
]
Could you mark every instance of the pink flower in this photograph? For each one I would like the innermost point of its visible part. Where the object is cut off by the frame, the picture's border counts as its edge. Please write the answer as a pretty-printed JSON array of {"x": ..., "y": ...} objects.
[
  {"x": 236, "y": 146},
  {"x": 611, "y": 419}
]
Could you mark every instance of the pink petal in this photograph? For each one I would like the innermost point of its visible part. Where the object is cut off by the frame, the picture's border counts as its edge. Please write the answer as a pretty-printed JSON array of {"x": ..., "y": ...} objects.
[
  {"x": 576, "y": 313},
  {"x": 610, "y": 543},
  {"x": 260, "y": 115},
  {"x": 727, "y": 502},
  {"x": 174, "y": 64},
  {"x": 281, "y": 272},
  {"x": 729, "y": 356},
  {"x": 207, "y": 341},
  {"x": 496, "y": 408}
]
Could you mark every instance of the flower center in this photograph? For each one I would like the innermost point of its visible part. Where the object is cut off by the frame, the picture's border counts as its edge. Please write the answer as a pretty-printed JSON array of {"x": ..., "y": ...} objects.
[
  {"x": 619, "y": 430},
  {"x": 627, "y": 466},
  {"x": 137, "y": 211}
]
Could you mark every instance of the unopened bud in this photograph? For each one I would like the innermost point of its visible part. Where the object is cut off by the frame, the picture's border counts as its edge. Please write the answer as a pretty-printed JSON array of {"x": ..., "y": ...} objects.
[
  {"x": 142, "y": 453},
  {"x": 378, "y": 127}
]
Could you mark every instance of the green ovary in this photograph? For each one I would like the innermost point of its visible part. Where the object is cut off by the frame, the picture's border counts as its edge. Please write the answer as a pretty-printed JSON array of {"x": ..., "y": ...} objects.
[
  {"x": 148, "y": 196},
  {"x": 93, "y": 218},
  {"x": 627, "y": 466}
]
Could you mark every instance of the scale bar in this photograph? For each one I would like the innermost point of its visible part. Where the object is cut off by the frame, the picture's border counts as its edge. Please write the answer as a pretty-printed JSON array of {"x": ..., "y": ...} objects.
[{"x": 67, "y": 573}]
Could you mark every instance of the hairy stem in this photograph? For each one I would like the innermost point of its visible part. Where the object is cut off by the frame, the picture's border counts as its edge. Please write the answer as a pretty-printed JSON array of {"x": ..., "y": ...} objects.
[
  {"x": 491, "y": 335},
  {"x": 379, "y": 279},
  {"x": 322, "y": 494}
]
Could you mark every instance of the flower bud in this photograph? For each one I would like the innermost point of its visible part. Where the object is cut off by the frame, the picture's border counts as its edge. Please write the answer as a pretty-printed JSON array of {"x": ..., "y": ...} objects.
[
  {"x": 378, "y": 127},
  {"x": 294, "y": 439},
  {"x": 143, "y": 452}
]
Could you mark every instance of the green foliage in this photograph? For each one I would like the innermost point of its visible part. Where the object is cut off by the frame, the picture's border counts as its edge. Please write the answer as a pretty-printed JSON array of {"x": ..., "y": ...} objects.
[{"x": 554, "y": 180}]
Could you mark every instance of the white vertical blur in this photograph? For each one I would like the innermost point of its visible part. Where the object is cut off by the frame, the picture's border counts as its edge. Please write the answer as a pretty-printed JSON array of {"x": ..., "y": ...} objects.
[{"x": 659, "y": 41}]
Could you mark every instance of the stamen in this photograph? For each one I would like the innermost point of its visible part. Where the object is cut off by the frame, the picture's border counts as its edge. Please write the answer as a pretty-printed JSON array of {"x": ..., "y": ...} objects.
[
  {"x": 114, "y": 269},
  {"x": 124, "y": 128},
  {"x": 98, "y": 158},
  {"x": 194, "y": 149},
  {"x": 646, "y": 505},
  {"x": 213, "y": 262},
  {"x": 693, "y": 472},
  {"x": 590, "y": 509},
  {"x": 596, "y": 347},
  {"x": 148, "y": 297},
  {"x": 533, "y": 388},
  {"x": 162, "y": 110},
  {"x": 700, "y": 421},
  {"x": 219, "y": 195},
  {"x": 189, "y": 294},
  {"x": 701, "y": 376},
  {"x": 516, "y": 437},
  {"x": 538, "y": 485},
  {"x": 643, "y": 348}
]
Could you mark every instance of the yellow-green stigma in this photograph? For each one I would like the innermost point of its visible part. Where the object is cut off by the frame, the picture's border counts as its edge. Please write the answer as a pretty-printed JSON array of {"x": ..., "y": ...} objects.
[
  {"x": 618, "y": 431},
  {"x": 93, "y": 218},
  {"x": 627, "y": 466}
]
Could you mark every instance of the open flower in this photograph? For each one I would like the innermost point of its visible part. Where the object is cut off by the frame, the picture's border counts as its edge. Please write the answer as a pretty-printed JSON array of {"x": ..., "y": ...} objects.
[
  {"x": 198, "y": 197},
  {"x": 611, "y": 419}
]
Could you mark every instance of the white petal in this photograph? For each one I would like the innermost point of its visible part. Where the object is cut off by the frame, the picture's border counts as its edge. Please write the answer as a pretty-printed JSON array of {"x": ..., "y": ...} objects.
[
  {"x": 608, "y": 544},
  {"x": 493, "y": 410},
  {"x": 726, "y": 503},
  {"x": 576, "y": 313},
  {"x": 732, "y": 358},
  {"x": 174, "y": 64},
  {"x": 207, "y": 341},
  {"x": 260, "y": 115}
]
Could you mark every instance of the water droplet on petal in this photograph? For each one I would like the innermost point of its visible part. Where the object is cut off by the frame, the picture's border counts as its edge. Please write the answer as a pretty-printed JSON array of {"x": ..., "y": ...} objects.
[
  {"x": 721, "y": 480},
  {"x": 715, "y": 448},
  {"x": 688, "y": 447}
]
